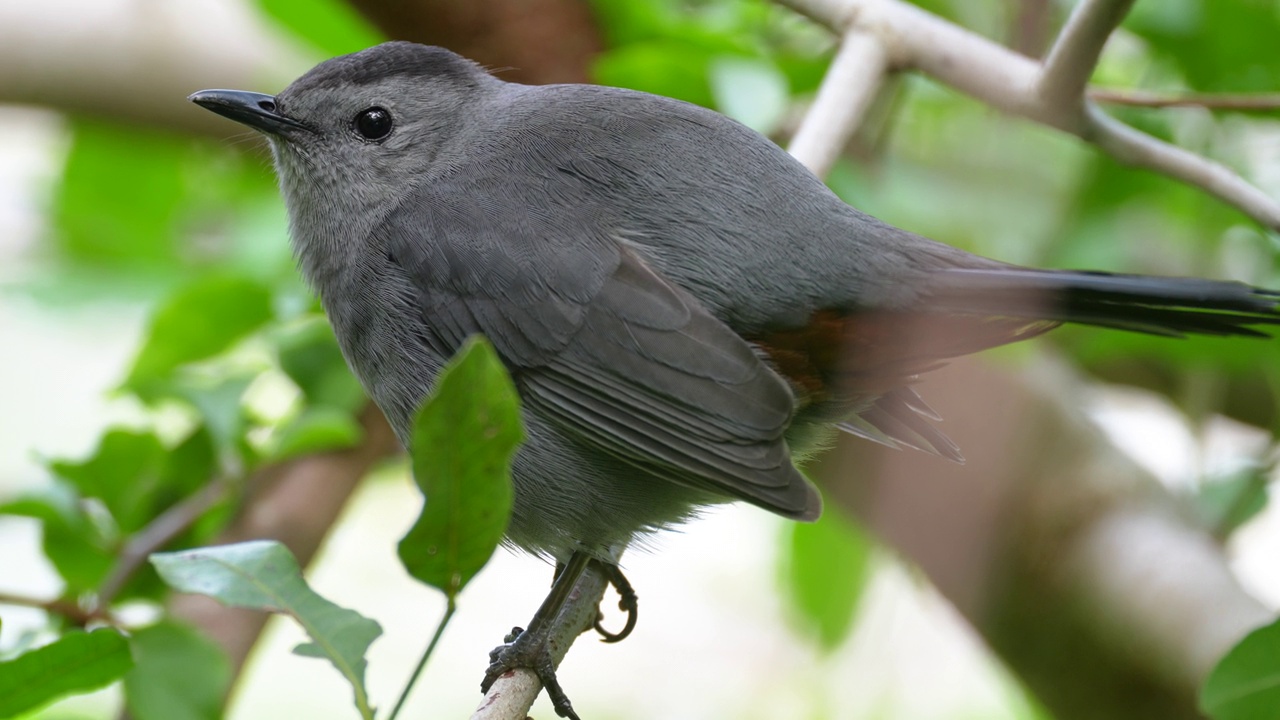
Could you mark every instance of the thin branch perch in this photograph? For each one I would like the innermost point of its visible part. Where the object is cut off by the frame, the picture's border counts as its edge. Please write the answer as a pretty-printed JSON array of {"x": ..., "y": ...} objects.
[
  {"x": 513, "y": 694},
  {"x": 1075, "y": 53},
  {"x": 848, "y": 88},
  {"x": 918, "y": 40}
]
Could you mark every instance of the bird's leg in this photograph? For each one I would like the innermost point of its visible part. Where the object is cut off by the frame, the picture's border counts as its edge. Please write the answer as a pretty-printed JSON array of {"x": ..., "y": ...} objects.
[
  {"x": 627, "y": 602},
  {"x": 528, "y": 648}
]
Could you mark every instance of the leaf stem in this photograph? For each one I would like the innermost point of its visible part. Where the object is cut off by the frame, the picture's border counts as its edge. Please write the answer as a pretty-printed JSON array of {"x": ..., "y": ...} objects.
[{"x": 422, "y": 662}]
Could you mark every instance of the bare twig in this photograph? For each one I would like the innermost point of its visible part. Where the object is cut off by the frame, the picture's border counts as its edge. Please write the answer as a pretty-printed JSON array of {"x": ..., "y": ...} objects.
[
  {"x": 1132, "y": 146},
  {"x": 1247, "y": 102},
  {"x": 850, "y": 85},
  {"x": 916, "y": 39},
  {"x": 1075, "y": 53},
  {"x": 167, "y": 526},
  {"x": 513, "y": 694},
  {"x": 58, "y": 606}
]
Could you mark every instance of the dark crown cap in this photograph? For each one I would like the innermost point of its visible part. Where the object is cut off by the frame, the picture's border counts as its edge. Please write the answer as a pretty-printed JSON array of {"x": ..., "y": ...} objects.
[{"x": 390, "y": 59}]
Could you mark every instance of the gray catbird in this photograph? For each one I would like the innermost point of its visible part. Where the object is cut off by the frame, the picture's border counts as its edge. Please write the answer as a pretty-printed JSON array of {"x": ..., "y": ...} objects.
[{"x": 683, "y": 306}]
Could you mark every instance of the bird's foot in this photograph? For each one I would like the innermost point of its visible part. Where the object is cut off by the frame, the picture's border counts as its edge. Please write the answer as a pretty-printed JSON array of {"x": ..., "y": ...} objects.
[
  {"x": 627, "y": 602},
  {"x": 528, "y": 650}
]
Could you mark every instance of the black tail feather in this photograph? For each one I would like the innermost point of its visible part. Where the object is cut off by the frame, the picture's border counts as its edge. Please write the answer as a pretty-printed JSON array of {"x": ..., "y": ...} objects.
[{"x": 1137, "y": 303}]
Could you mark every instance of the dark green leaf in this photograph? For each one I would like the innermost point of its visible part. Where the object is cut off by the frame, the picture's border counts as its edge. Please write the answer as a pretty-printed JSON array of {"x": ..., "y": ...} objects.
[
  {"x": 463, "y": 441},
  {"x": 190, "y": 465},
  {"x": 1245, "y": 685},
  {"x": 201, "y": 320},
  {"x": 263, "y": 575},
  {"x": 179, "y": 674},
  {"x": 317, "y": 429},
  {"x": 826, "y": 568},
  {"x": 74, "y": 663},
  {"x": 333, "y": 27}
]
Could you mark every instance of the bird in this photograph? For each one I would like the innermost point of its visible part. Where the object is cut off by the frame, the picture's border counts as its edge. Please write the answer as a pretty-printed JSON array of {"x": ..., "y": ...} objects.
[{"x": 686, "y": 311}]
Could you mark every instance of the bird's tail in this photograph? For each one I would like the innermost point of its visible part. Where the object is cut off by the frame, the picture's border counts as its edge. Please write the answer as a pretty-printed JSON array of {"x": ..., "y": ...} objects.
[
  {"x": 964, "y": 311},
  {"x": 1157, "y": 305}
]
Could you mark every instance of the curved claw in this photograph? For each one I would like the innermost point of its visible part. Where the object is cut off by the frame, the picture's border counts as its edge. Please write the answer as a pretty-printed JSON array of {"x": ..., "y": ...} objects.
[{"x": 627, "y": 602}]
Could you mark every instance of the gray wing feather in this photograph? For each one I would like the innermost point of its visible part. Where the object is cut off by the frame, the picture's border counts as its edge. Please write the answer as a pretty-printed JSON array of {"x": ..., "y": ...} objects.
[{"x": 598, "y": 343}]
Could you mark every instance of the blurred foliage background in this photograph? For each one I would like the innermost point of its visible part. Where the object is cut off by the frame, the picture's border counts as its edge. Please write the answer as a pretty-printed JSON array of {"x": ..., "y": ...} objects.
[{"x": 236, "y": 372}]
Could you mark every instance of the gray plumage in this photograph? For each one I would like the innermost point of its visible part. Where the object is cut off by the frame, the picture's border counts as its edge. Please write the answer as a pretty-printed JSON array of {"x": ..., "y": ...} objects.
[{"x": 656, "y": 277}]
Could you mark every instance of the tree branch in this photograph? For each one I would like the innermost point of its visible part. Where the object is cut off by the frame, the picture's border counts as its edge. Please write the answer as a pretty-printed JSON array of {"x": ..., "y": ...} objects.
[
  {"x": 158, "y": 533},
  {"x": 58, "y": 606},
  {"x": 915, "y": 39},
  {"x": 137, "y": 62},
  {"x": 1246, "y": 102},
  {"x": 1075, "y": 53},
  {"x": 513, "y": 694},
  {"x": 847, "y": 90}
]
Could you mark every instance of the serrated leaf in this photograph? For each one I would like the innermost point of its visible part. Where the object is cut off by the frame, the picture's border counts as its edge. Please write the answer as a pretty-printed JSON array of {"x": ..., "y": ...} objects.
[
  {"x": 199, "y": 321},
  {"x": 316, "y": 429},
  {"x": 826, "y": 568},
  {"x": 1245, "y": 685},
  {"x": 463, "y": 441},
  {"x": 179, "y": 674},
  {"x": 74, "y": 663},
  {"x": 263, "y": 575}
]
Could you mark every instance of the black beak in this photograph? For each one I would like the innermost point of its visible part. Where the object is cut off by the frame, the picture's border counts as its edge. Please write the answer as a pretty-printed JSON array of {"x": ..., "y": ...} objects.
[{"x": 256, "y": 110}]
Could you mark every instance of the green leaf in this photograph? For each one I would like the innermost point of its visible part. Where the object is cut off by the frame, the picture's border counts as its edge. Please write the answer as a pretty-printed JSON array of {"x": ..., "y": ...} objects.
[
  {"x": 199, "y": 321},
  {"x": 125, "y": 472},
  {"x": 316, "y": 429},
  {"x": 219, "y": 400},
  {"x": 179, "y": 674},
  {"x": 263, "y": 575},
  {"x": 80, "y": 549},
  {"x": 333, "y": 27},
  {"x": 463, "y": 441},
  {"x": 121, "y": 194},
  {"x": 189, "y": 465},
  {"x": 309, "y": 355},
  {"x": 1229, "y": 502},
  {"x": 1245, "y": 685},
  {"x": 664, "y": 68},
  {"x": 74, "y": 663},
  {"x": 826, "y": 568},
  {"x": 1218, "y": 45}
]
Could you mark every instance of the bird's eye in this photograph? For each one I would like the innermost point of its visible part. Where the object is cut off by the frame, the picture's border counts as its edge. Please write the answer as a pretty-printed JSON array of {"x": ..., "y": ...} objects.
[{"x": 373, "y": 123}]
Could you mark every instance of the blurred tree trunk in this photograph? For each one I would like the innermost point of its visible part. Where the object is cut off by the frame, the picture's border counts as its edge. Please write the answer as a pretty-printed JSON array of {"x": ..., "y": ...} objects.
[{"x": 1079, "y": 569}]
